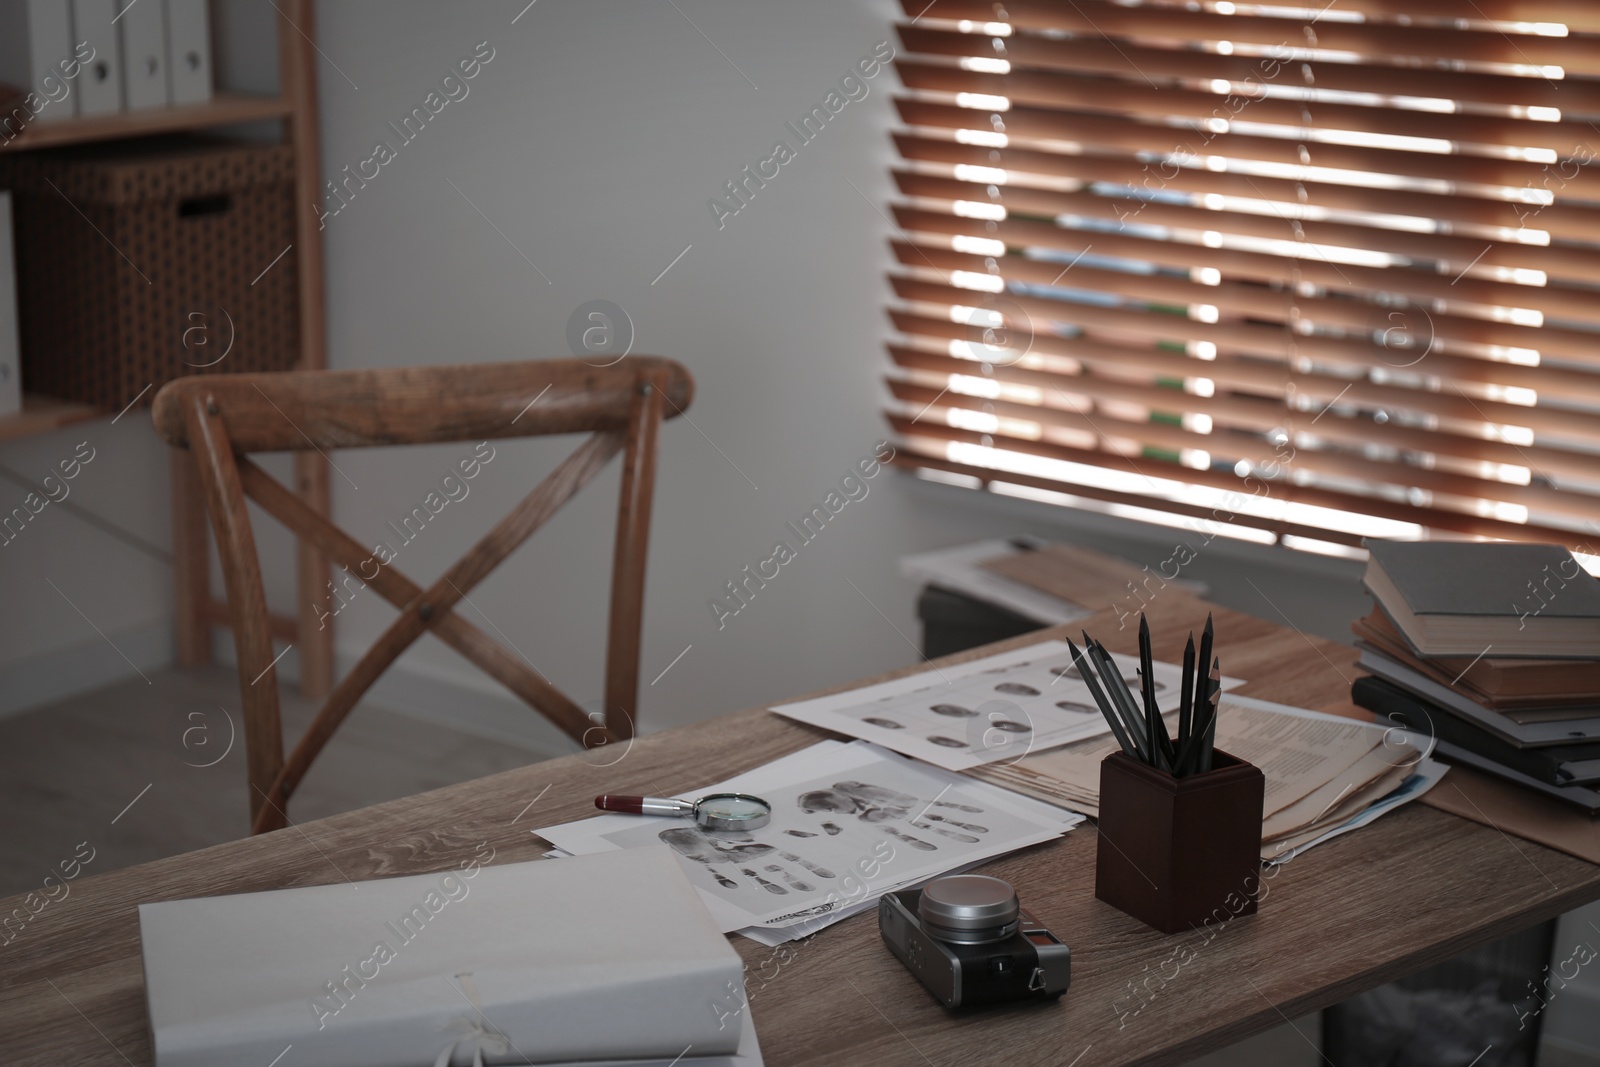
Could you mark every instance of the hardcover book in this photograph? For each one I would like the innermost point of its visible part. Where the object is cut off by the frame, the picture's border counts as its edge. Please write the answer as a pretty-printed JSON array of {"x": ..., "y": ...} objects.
[{"x": 1466, "y": 598}]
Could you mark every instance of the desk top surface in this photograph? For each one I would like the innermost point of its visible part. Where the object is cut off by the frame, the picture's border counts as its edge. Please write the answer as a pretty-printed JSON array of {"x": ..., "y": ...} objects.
[{"x": 1414, "y": 888}]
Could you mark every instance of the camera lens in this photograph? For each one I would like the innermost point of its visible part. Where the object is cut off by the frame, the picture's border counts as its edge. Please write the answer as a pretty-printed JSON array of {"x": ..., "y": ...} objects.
[{"x": 969, "y": 909}]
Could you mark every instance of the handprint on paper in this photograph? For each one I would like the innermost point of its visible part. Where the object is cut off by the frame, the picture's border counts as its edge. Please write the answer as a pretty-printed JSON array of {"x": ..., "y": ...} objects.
[
  {"x": 879, "y": 805},
  {"x": 744, "y": 853}
]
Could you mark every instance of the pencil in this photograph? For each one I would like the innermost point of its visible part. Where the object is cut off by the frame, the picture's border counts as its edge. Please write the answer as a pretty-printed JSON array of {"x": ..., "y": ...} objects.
[
  {"x": 1196, "y": 756},
  {"x": 1117, "y": 694},
  {"x": 1147, "y": 687},
  {"x": 1111, "y": 674},
  {"x": 1186, "y": 695},
  {"x": 1198, "y": 707},
  {"x": 1214, "y": 684},
  {"x": 1111, "y": 716}
]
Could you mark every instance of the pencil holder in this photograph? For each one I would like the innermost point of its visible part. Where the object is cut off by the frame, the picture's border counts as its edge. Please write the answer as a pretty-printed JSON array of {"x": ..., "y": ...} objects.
[{"x": 1177, "y": 853}]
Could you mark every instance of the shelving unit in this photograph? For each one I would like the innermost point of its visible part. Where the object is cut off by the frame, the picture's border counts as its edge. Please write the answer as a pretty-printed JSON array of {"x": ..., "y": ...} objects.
[
  {"x": 41, "y": 414},
  {"x": 224, "y": 109},
  {"x": 296, "y": 107}
]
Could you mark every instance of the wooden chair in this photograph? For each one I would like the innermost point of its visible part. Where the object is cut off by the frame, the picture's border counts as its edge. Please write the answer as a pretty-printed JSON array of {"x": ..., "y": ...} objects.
[{"x": 220, "y": 419}]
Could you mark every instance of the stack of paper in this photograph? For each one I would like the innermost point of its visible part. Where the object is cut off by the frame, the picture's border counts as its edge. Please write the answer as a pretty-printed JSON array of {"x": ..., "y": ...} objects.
[
  {"x": 850, "y": 822},
  {"x": 1323, "y": 772},
  {"x": 997, "y": 708}
]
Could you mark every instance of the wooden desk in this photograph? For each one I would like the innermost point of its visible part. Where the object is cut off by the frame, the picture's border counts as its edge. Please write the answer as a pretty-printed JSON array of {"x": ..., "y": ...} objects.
[{"x": 1414, "y": 888}]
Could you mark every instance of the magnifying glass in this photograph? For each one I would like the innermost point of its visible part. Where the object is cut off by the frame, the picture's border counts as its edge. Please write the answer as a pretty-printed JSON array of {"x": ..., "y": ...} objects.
[{"x": 715, "y": 811}]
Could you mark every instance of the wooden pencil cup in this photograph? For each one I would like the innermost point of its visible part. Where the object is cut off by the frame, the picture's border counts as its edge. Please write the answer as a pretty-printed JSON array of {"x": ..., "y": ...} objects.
[{"x": 1177, "y": 853}]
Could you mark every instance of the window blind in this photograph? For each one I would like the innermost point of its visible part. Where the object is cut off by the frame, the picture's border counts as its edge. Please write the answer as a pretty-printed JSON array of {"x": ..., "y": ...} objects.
[{"x": 1309, "y": 274}]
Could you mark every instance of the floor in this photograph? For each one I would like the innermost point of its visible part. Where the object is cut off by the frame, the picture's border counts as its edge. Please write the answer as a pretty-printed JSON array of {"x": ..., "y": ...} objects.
[
  {"x": 143, "y": 770},
  {"x": 146, "y": 769}
]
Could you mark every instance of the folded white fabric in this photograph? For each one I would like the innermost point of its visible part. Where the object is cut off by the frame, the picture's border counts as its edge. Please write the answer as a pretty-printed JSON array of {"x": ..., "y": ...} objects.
[{"x": 611, "y": 956}]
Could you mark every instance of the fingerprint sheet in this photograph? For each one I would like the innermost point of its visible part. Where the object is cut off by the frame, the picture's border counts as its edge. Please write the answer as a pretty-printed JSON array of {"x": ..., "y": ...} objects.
[
  {"x": 850, "y": 822},
  {"x": 1000, "y": 707}
]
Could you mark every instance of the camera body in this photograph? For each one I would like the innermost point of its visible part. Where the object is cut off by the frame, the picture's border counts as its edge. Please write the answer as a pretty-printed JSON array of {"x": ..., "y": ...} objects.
[{"x": 970, "y": 943}]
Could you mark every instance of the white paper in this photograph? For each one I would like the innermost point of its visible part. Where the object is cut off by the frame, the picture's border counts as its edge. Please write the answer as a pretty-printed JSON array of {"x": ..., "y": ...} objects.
[
  {"x": 998, "y": 708},
  {"x": 849, "y": 823},
  {"x": 960, "y": 570}
]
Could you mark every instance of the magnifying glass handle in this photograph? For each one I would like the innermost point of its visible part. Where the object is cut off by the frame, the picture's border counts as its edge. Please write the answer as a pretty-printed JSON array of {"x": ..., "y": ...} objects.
[{"x": 644, "y": 805}]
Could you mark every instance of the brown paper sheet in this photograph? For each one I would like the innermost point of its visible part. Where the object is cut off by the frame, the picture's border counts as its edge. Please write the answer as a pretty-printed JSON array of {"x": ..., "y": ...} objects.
[{"x": 1511, "y": 809}]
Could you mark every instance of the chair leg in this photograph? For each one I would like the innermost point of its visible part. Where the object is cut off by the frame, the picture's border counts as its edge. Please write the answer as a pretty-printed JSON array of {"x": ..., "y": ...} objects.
[
  {"x": 628, "y": 562},
  {"x": 312, "y": 573},
  {"x": 191, "y": 563}
]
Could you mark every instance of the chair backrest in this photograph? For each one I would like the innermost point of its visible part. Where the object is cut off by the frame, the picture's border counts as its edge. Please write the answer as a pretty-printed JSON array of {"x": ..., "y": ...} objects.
[{"x": 220, "y": 419}]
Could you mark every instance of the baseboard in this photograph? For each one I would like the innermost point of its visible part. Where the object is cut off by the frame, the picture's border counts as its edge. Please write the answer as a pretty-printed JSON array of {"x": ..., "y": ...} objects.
[
  {"x": 414, "y": 690},
  {"x": 64, "y": 673},
  {"x": 1554, "y": 1052}
]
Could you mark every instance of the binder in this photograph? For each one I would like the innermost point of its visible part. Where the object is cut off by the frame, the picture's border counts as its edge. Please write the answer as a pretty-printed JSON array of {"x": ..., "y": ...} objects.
[
  {"x": 142, "y": 25},
  {"x": 188, "y": 51},
  {"x": 100, "y": 81},
  {"x": 10, "y": 342},
  {"x": 36, "y": 40}
]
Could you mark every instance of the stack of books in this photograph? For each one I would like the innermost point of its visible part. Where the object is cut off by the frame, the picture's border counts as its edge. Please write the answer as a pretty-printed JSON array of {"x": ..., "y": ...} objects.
[{"x": 1493, "y": 649}]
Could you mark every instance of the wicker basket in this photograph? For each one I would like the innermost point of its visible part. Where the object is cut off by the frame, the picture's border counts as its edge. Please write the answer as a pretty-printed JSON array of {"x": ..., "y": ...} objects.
[{"x": 141, "y": 262}]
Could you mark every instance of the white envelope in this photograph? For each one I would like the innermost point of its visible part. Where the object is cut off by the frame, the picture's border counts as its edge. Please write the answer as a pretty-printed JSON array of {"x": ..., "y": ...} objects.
[{"x": 600, "y": 957}]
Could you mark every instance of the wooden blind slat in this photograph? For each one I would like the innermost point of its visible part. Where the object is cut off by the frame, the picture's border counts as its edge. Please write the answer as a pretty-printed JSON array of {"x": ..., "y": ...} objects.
[
  {"x": 1141, "y": 63},
  {"x": 1344, "y": 430},
  {"x": 1110, "y": 131},
  {"x": 916, "y": 454},
  {"x": 1261, "y": 340},
  {"x": 1157, "y": 467},
  {"x": 1556, "y": 259},
  {"x": 1569, "y": 302},
  {"x": 1446, "y": 331},
  {"x": 1260, "y": 413},
  {"x": 1150, "y": 21},
  {"x": 1468, "y": 131},
  {"x": 1567, "y": 219},
  {"x": 1237, "y": 445}
]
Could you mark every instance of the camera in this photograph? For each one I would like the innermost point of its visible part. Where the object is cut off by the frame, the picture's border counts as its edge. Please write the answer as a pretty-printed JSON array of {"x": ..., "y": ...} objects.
[{"x": 969, "y": 941}]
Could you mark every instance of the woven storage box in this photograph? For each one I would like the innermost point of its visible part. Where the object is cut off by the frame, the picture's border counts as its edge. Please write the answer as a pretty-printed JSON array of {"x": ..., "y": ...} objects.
[{"x": 135, "y": 265}]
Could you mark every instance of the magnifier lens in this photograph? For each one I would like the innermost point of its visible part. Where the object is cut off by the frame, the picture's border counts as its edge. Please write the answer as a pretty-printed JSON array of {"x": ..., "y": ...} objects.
[
  {"x": 737, "y": 808},
  {"x": 733, "y": 811}
]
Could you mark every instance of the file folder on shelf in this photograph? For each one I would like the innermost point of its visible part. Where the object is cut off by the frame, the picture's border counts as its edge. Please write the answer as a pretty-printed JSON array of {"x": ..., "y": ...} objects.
[
  {"x": 188, "y": 51},
  {"x": 143, "y": 26},
  {"x": 100, "y": 81}
]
